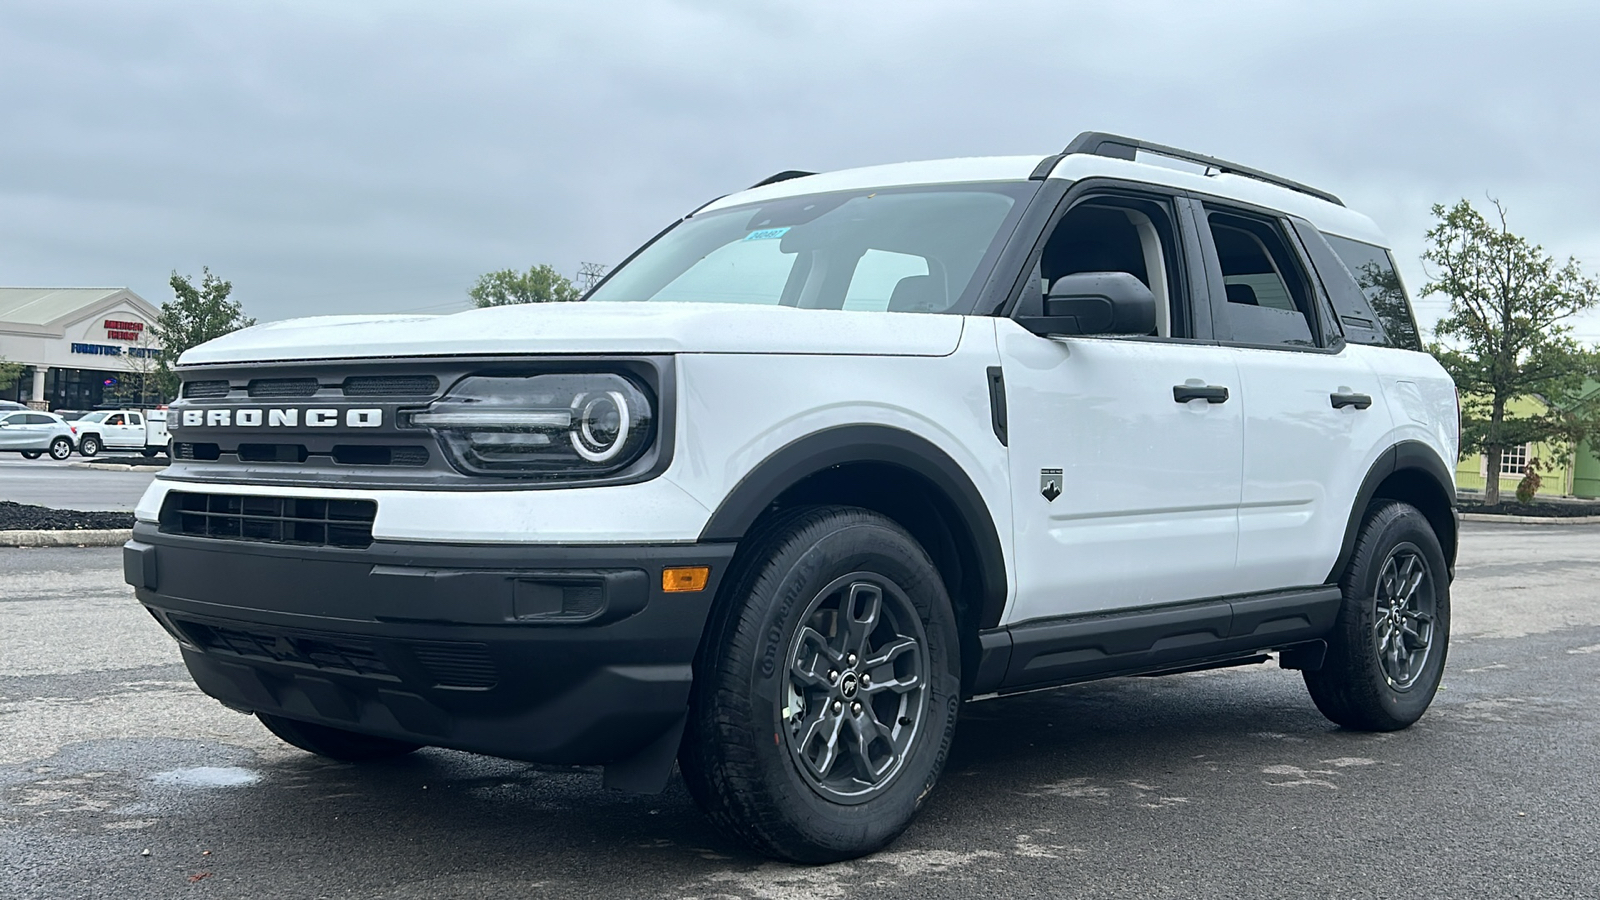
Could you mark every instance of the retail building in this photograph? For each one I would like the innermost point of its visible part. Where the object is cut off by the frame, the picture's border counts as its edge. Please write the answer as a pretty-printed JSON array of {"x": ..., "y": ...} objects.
[{"x": 80, "y": 347}]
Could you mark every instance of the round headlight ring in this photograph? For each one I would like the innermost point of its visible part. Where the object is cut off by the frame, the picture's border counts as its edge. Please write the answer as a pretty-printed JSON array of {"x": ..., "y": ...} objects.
[{"x": 585, "y": 409}]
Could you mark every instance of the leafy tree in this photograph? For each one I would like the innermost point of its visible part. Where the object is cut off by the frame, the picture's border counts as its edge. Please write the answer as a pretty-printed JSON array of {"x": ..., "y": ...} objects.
[
  {"x": 192, "y": 317},
  {"x": 1506, "y": 334},
  {"x": 9, "y": 372},
  {"x": 540, "y": 284}
]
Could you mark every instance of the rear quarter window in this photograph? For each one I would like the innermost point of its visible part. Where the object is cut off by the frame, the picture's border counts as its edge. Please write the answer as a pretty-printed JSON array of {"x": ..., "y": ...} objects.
[{"x": 1375, "y": 273}]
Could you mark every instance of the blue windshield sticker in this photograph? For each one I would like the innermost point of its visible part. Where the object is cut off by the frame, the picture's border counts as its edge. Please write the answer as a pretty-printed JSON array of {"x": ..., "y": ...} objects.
[{"x": 766, "y": 234}]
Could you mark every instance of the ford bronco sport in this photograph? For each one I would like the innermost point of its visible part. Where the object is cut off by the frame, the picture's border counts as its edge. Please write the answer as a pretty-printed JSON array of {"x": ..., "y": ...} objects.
[{"x": 819, "y": 462}]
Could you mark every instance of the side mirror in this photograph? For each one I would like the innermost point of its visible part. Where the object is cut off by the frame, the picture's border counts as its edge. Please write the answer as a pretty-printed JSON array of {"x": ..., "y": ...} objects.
[{"x": 1095, "y": 303}]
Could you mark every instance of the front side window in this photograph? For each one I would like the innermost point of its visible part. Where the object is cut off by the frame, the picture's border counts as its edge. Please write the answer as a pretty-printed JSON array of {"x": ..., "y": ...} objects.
[
  {"x": 1375, "y": 273},
  {"x": 1269, "y": 300},
  {"x": 1120, "y": 234},
  {"x": 114, "y": 420},
  {"x": 914, "y": 249}
]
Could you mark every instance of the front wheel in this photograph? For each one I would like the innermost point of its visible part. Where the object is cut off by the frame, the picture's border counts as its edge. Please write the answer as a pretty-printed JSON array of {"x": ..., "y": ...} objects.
[
  {"x": 335, "y": 743},
  {"x": 60, "y": 448},
  {"x": 1387, "y": 652},
  {"x": 826, "y": 690},
  {"x": 89, "y": 445}
]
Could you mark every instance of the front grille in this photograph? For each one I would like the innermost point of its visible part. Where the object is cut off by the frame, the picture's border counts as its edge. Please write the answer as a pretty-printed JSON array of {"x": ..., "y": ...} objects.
[
  {"x": 284, "y": 387},
  {"x": 323, "y": 651},
  {"x": 462, "y": 666},
  {"x": 457, "y": 665},
  {"x": 275, "y": 520},
  {"x": 379, "y": 455},
  {"x": 188, "y": 451},
  {"x": 390, "y": 386},
  {"x": 205, "y": 390}
]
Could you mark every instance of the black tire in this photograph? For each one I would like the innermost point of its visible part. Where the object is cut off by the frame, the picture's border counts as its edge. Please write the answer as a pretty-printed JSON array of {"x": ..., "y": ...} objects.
[
  {"x": 335, "y": 743},
  {"x": 1380, "y": 674},
  {"x": 148, "y": 452},
  {"x": 89, "y": 445},
  {"x": 60, "y": 449},
  {"x": 32, "y": 454},
  {"x": 750, "y": 759}
]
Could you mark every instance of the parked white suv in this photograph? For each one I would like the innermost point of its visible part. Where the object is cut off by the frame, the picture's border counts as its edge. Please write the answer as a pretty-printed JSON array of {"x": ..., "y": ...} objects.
[
  {"x": 144, "y": 430},
  {"x": 34, "y": 433},
  {"x": 819, "y": 462}
]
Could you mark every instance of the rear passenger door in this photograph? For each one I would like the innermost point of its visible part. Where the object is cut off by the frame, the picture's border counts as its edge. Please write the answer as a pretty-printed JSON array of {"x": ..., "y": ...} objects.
[{"x": 1315, "y": 419}]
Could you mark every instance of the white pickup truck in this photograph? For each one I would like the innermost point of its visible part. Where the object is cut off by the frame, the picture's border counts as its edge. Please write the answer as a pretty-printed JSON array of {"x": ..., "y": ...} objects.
[{"x": 144, "y": 430}]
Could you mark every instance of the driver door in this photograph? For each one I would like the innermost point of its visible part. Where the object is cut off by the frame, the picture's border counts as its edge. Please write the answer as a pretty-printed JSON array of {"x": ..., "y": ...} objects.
[{"x": 1125, "y": 490}]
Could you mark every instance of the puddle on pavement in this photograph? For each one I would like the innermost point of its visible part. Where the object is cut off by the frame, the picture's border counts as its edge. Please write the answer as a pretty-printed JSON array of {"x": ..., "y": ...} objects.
[{"x": 208, "y": 777}]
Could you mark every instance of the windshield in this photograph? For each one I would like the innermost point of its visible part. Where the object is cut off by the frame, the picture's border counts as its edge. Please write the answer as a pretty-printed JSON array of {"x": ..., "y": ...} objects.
[
  {"x": 913, "y": 249},
  {"x": 94, "y": 417}
]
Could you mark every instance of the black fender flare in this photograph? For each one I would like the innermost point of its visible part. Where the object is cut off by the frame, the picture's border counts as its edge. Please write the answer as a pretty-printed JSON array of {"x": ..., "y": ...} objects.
[
  {"x": 1413, "y": 455},
  {"x": 821, "y": 450}
]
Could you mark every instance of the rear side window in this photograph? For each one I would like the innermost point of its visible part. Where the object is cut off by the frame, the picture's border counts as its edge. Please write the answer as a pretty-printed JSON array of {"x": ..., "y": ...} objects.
[
  {"x": 1374, "y": 271},
  {"x": 1269, "y": 301},
  {"x": 37, "y": 419}
]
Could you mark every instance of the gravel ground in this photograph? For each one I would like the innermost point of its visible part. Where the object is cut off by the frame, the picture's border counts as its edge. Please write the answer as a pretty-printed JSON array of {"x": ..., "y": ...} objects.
[{"x": 21, "y": 516}]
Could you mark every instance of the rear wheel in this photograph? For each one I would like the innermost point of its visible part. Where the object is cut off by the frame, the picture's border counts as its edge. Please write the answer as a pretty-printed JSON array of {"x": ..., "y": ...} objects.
[
  {"x": 335, "y": 743},
  {"x": 1387, "y": 652},
  {"x": 32, "y": 454},
  {"x": 60, "y": 448},
  {"x": 826, "y": 690},
  {"x": 89, "y": 445}
]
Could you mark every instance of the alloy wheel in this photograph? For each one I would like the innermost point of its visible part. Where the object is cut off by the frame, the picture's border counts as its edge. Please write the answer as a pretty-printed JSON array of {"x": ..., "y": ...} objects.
[
  {"x": 1403, "y": 629},
  {"x": 856, "y": 691}
]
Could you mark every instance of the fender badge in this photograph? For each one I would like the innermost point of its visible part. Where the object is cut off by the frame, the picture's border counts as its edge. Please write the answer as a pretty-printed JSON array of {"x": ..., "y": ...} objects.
[{"x": 1050, "y": 484}]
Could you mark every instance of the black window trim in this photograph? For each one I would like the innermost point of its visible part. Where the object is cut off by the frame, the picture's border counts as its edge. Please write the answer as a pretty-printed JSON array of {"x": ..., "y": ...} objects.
[
  {"x": 1328, "y": 336},
  {"x": 1024, "y": 252}
]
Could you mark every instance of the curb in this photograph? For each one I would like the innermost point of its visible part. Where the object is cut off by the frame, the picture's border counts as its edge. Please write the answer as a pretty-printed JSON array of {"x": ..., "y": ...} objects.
[
  {"x": 112, "y": 537},
  {"x": 1531, "y": 520},
  {"x": 116, "y": 467}
]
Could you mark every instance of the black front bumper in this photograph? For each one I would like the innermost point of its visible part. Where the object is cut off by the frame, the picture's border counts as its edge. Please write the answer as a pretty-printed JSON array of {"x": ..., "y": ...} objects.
[{"x": 555, "y": 654}]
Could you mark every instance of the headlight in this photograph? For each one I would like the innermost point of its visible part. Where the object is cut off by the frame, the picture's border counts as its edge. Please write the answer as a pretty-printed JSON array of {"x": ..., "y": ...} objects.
[{"x": 555, "y": 426}]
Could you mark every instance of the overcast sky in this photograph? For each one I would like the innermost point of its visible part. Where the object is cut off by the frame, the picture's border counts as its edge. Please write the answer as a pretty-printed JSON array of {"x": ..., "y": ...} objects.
[{"x": 341, "y": 157}]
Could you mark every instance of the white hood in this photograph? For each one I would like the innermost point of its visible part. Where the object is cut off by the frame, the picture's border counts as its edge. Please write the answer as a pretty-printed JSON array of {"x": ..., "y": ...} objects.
[{"x": 590, "y": 328}]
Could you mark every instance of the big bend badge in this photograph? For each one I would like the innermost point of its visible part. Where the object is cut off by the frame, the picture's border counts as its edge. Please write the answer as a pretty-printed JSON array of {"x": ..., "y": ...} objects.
[{"x": 1050, "y": 483}]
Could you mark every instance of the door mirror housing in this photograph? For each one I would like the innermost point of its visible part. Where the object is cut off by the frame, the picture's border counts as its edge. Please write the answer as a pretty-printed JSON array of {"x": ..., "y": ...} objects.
[{"x": 1095, "y": 303}]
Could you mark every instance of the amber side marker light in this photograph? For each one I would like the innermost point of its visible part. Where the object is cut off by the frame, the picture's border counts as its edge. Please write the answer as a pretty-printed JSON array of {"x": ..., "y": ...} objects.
[{"x": 685, "y": 579}]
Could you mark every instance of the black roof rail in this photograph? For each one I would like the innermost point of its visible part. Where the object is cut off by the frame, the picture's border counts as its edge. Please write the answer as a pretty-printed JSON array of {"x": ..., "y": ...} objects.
[
  {"x": 785, "y": 175},
  {"x": 1115, "y": 146}
]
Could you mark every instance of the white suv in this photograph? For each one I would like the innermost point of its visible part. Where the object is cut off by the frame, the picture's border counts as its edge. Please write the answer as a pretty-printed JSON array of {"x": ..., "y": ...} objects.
[
  {"x": 819, "y": 462},
  {"x": 33, "y": 434}
]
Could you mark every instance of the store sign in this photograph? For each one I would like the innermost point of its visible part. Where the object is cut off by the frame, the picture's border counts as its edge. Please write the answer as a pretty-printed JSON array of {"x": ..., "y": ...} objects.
[{"x": 118, "y": 330}]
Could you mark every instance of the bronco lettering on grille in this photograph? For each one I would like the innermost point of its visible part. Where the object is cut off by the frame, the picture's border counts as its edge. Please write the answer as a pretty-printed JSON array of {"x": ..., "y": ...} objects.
[{"x": 280, "y": 418}]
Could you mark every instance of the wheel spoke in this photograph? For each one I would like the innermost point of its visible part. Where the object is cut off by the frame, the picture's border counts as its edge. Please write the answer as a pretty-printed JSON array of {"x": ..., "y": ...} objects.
[
  {"x": 867, "y": 732},
  {"x": 861, "y": 612},
  {"x": 825, "y": 726}
]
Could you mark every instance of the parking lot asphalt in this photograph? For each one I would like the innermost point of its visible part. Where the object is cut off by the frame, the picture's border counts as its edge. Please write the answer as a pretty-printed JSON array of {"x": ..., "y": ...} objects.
[
  {"x": 73, "y": 484},
  {"x": 119, "y": 779}
]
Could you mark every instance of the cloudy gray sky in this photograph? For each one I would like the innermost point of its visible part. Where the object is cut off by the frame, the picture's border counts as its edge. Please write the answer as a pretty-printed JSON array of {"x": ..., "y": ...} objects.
[{"x": 343, "y": 157}]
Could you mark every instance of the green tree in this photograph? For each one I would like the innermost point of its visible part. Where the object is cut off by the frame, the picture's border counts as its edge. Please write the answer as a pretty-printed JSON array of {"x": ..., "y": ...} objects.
[
  {"x": 9, "y": 372},
  {"x": 540, "y": 284},
  {"x": 1506, "y": 334},
  {"x": 193, "y": 316}
]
